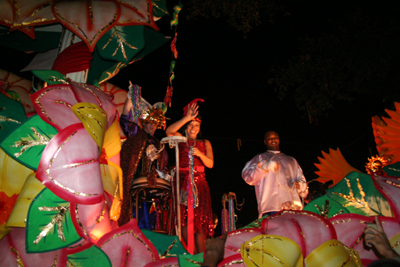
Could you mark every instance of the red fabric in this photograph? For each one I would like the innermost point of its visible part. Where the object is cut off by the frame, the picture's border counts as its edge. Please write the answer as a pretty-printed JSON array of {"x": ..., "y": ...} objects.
[
  {"x": 173, "y": 46},
  {"x": 203, "y": 215},
  {"x": 195, "y": 101},
  {"x": 74, "y": 58},
  {"x": 190, "y": 221},
  {"x": 168, "y": 96}
]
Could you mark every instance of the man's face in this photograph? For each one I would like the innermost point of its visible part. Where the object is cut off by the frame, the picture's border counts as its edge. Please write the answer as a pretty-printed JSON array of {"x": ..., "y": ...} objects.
[
  {"x": 272, "y": 141},
  {"x": 150, "y": 128}
]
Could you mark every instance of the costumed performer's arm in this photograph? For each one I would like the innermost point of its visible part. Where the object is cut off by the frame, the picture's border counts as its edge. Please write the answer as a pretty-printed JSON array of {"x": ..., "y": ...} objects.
[
  {"x": 127, "y": 123},
  {"x": 256, "y": 169}
]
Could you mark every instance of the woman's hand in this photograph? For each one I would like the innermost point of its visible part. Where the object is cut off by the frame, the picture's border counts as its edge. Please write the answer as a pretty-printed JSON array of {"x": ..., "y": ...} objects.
[
  {"x": 192, "y": 112},
  {"x": 197, "y": 152}
]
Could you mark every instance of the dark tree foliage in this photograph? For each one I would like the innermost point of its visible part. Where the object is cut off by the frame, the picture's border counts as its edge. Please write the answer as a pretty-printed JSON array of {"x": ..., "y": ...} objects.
[
  {"x": 241, "y": 14},
  {"x": 358, "y": 58}
]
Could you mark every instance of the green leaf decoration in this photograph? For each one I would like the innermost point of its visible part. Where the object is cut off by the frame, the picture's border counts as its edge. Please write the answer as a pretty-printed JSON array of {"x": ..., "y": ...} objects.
[
  {"x": 49, "y": 226},
  {"x": 26, "y": 143},
  {"x": 102, "y": 70},
  {"x": 159, "y": 8},
  {"x": 14, "y": 95},
  {"x": 121, "y": 43},
  {"x": 255, "y": 224},
  {"x": 12, "y": 115},
  {"x": 326, "y": 209},
  {"x": 189, "y": 260},
  {"x": 393, "y": 170},
  {"x": 92, "y": 256},
  {"x": 166, "y": 245},
  {"x": 357, "y": 193},
  {"x": 50, "y": 76}
]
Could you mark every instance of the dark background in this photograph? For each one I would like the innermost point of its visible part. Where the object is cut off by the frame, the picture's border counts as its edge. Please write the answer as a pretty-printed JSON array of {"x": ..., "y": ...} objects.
[{"x": 230, "y": 72}]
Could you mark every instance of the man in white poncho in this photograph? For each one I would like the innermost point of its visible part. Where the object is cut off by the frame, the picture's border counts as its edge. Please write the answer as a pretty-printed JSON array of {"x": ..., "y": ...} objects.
[{"x": 278, "y": 179}]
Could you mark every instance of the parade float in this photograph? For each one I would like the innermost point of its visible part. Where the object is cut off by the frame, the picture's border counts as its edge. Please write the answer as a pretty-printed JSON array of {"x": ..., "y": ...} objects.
[{"x": 60, "y": 174}]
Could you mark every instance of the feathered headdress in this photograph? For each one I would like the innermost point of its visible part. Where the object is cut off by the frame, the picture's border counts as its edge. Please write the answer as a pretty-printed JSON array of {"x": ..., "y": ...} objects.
[
  {"x": 195, "y": 101},
  {"x": 143, "y": 110}
]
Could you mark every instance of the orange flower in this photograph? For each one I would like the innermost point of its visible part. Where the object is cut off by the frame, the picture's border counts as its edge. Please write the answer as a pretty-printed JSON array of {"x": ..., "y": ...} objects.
[{"x": 6, "y": 206}]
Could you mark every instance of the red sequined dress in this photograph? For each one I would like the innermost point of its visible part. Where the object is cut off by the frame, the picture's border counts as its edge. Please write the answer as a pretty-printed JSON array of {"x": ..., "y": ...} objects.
[{"x": 203, "y": 216}]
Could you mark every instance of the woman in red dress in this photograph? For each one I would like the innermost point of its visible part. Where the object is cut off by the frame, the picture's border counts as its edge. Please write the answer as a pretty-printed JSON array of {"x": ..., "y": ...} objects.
[{"x": 202, "y": 157}]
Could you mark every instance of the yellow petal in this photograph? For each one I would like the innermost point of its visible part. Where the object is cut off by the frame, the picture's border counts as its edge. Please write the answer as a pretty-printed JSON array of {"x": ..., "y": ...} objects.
[
  {"x": 12, "y": 175},
  {"x": 93, "y": 118},
  {"x": 29, "y": 191},
  {"x": 395, "y": 241},
  {"x": 109, "y": 175},
  {"x": 333, "y": 253},
  {"x": 271, "y": 250},
  {"x": 112, "y": 140},
  {"x": 4, "y": 230}
]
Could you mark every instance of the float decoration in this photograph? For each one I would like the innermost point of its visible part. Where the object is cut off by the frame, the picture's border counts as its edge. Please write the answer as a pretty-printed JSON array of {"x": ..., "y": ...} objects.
[
  {"x": 53, "y": 104},
  {"x": 375, "y": 165},
  {"x": 350, "y": 231},
  {"x": 12, "y": 248},
  {"x": 12, "y": 114},
  {"x": 102, "y": 70},
  {"x": 166, "y": 245},
  {"x": 95, "y": 18},
  {"x": 88, "y": 20},
  {"x": 389, "y": 187},
  {"x": 387, "y": 132},
  {"x": 159, "y": 8},
  {"x": 305, "y": 228},
  {"x": 236, "y": 238},
  {"x": 128, "y": 246},
  {"x": 31, "y": 188},
  {"x": 49, "y": 224},
  {"x": 333, "y": 166},
  {"x": 121, "y": 43},
  {"x": 74, "y": 58},
  {"x": 91, "y": 221},
  {"x": 91, "y": 94},
  {"x": 50, "y": 76},
  {"x": 13, "y": 174},
  {"x": 355, "y": 193},
  {"x": 268, "y": 250},
  {"x": 7, "y": 205},
  {"x": 13, "y": 83},
  {"x": 26, "y": 143},
  {"x": 333, "y": 253},
  {"x": 70, "y": 170},
  {"x": 92, "y": 256},
  {"x": 94, "y": 119}
]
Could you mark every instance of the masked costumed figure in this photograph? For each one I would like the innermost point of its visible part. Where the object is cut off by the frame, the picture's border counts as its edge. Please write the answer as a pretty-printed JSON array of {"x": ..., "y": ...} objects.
[{"x": 141, "y": 155}]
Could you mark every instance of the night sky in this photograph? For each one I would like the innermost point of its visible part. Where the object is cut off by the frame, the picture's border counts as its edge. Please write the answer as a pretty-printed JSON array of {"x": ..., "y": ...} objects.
[{"x": 231, "y": 74}]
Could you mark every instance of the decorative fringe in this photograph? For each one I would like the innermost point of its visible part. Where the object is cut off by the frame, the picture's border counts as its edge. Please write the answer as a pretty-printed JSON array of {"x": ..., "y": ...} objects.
[
  {"x": 195, "y": 200},
  {"x": 229, "y": 218},
  {"x": 136, "y": 95}
]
